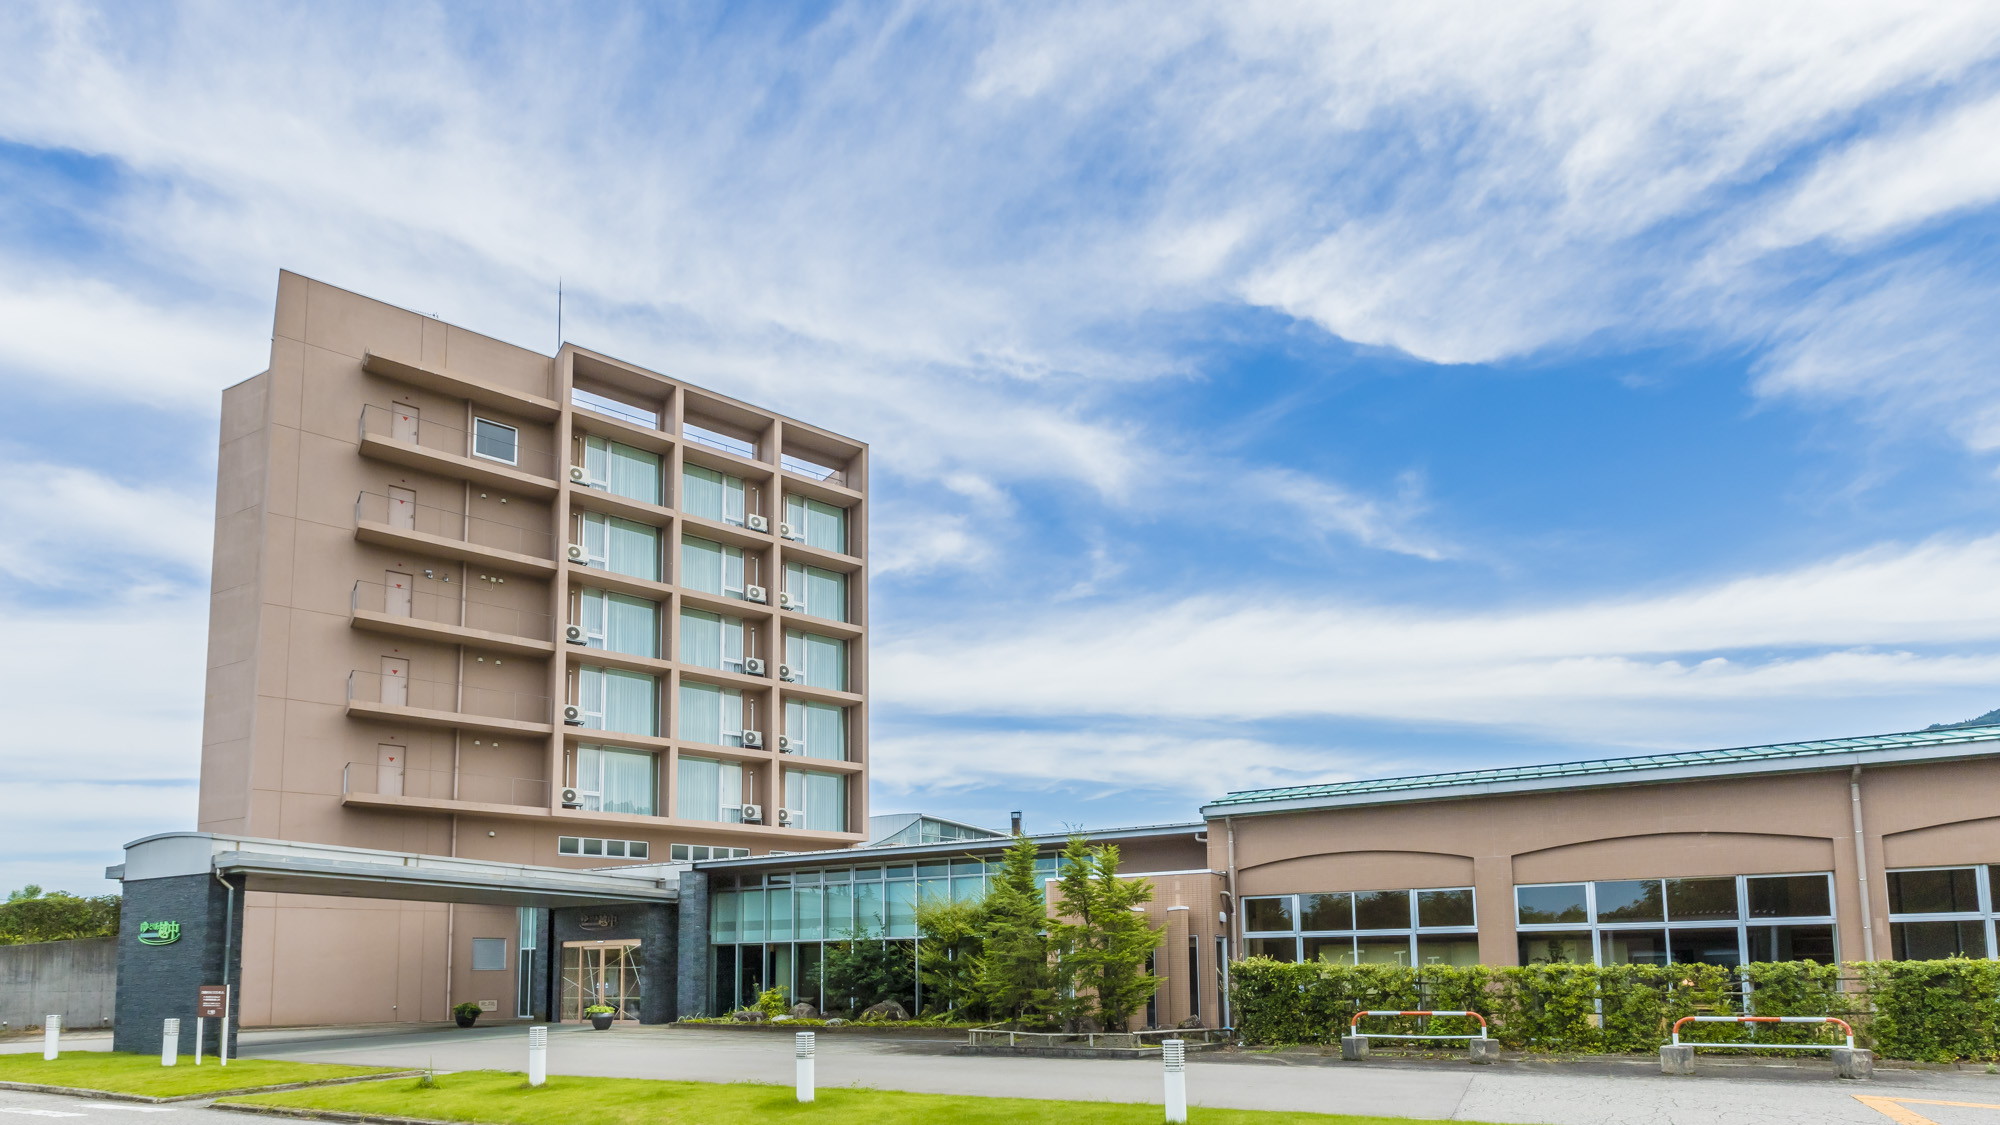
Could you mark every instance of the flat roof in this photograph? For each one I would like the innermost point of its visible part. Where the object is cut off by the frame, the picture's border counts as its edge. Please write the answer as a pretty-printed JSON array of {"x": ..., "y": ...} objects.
[
  {"x": 1783, "y": 757},
  {"x": 873, "y": 856}
]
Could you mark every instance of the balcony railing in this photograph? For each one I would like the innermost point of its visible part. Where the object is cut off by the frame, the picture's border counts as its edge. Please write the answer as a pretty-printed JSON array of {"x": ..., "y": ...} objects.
[
  {"x": 423, "y": 605},
  {"x": 437, "y": 695},
  {"x": 388, "y": 424},
  {"x": 401, "y": 781},
  {"x": 408, "y": 515}
]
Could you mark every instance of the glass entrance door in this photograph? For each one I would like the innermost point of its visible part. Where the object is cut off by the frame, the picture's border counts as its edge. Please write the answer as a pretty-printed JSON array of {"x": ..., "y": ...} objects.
[{"x": 600, "y": 972}]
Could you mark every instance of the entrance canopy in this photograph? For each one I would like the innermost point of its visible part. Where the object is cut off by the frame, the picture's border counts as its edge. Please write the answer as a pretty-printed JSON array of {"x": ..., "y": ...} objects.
[{"x": 323, "y": 869}]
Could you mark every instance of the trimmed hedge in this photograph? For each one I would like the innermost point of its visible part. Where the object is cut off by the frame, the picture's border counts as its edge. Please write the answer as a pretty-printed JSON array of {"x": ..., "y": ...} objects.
[{"x": 1934, "y": 1010}]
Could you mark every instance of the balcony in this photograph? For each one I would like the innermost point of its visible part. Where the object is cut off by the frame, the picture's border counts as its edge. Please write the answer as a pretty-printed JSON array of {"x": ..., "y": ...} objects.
[
  {"x": 456, "y": 385},
  {"x": 441, "y": 533},
  {"x": 451, "y": 619},
  {"x": 402, "y": 438},
  {"x": 375, "y": 785},
  {"x": 434, "y": 703}
]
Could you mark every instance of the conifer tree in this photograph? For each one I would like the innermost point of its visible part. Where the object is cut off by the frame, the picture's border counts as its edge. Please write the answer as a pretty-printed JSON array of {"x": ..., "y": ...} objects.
[
  {"x": 1103, "y": 938},
  {"x": 951, "y": 939},
  {"x": 1015, "y": 975}
]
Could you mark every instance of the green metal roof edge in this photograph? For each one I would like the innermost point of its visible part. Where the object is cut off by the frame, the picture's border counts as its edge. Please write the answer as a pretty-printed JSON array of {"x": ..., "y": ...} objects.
[{"x": 1632, "y": 764}]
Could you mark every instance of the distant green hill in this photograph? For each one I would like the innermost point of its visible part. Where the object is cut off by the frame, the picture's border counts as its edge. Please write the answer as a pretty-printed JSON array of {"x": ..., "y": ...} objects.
[{"x": 1987, "y": 719}]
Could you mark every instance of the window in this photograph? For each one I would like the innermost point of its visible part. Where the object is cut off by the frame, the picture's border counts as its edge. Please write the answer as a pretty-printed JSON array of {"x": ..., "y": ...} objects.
[
  {"x": 711, "y": 714},
  {"x": 1940, "y": 912},
  {"x": 817, "y": 801},
  {"x": 711, "y": 568},
  {"x": 530, "y": 940},
  {"x": 609, "y": 779},
  {"x": 816, "y": 730},
  {"x": 614, "y": 699},
  {"x": 1390, "y": 927},
  {"x": 712, "y": 495},
  {"x": 710, "y": 640},
  {"x": 695, "y": 853},
  {"x": 489, "y": 954},
  {"x": 821, "y": 593},
  {"x": 496, "y": 442},
  {"x": 816, "y": 661},
  {"x": 816, "y": 524},
  {"x": 619, "y": 622},
  {"x": 612, "y": 849},
  {"x": 1722, "y": 920},
  {"x": 620, "y": 546},
  {"x": 709, "y": 790},
  {"x": 621, "y": 470}
]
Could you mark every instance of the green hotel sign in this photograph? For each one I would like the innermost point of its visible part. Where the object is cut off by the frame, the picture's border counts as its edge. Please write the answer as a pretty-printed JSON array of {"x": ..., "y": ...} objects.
[{"x": 159, "y": 933}]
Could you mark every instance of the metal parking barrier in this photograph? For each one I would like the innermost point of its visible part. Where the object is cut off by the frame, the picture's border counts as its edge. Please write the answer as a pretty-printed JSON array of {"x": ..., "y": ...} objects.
[
  {"x": 1354, "y": 1045},
  {"x": 1844, "y": 1026},
  {"x": 1354, "y": 1025}
]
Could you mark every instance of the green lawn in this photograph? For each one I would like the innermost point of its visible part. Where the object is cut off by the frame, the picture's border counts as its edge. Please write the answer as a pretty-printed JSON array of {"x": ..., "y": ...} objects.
[
  {"x": 504, "y": 1098},
  {"x": 143, "y": 1074}
]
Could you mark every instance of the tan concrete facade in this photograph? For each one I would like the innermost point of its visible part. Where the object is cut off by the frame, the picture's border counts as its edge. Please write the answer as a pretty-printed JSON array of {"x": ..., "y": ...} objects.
[
  {"x": 1919, "y": 815},
  {"x": 388, "y": 660}
]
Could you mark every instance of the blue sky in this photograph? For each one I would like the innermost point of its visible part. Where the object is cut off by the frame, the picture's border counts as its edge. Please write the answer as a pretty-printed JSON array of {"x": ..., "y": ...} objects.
[{"x": 1260, "y": 393}]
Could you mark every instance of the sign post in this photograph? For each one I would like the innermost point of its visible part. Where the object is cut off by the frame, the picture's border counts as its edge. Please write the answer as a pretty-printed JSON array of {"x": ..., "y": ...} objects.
[{"x": 212, "y": 1003}]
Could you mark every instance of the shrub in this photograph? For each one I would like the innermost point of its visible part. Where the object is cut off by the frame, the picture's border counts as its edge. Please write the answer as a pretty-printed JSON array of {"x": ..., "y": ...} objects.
[{"x": 1936, "y": 1011}]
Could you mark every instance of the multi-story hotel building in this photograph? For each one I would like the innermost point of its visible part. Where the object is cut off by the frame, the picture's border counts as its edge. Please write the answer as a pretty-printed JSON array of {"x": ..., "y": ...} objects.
[{"x": 471, "y": 600}]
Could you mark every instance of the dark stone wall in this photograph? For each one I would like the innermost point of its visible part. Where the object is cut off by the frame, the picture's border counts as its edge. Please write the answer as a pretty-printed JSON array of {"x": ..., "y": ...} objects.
[
  {"x": 656, "y": 929},
  {"x": 695, "y": 951},
  {"x": 159, "y": 982}
]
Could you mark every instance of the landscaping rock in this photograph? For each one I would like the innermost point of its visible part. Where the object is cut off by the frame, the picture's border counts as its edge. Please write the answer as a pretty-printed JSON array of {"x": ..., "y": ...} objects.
[
  {"x": 886, "y": 1010},
  {"x": 804, "y": 1011},
  {"x": 1189, "y": 1024},
  {"x": 747, "y": 1015},
  {"x": 836, "y": 1022}
]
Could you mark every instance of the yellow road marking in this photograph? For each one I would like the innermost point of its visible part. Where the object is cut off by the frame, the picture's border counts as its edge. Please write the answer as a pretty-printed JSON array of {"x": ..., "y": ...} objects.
[{"x": 1893, "y": 1108}]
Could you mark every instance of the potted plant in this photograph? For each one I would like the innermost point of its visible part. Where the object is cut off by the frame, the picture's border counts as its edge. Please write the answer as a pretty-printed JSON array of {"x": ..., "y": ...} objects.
[
  {"x": 601, "y": 1016},
  {"x": 465, "y": 1013}
]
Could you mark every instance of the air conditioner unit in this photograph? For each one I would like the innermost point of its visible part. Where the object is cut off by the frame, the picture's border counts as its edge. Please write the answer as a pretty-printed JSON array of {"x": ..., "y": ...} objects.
[
  {"x": 570, "y": 800},
  {"x": 786, "y": 601},
  {"x": 577, "y": 554},
  {"x": 786, "y": 745},
  {"x": 756, "y": 523},
  {"x": 787, "y": 531},
  {"x": 753, "y": 813},
  {"x": 753, "y": 739},
  {"x": 789, "y": 818},
  {"x": 573, "y": 715},
  {"x": 574, "y": 635},
  {"x": 579, "y": 474},
  {"x": 755, "y": 594},
  {"x": 785, "y": 673},
  {"x": 753, "y": 665}
]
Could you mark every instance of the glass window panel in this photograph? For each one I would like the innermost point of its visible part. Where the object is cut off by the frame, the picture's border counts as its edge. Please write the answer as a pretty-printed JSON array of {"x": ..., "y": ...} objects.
[
  {"x": 968, "y": 888},
  {"x": 1789, "y": 896},
  {"x": 619, "y": 781},
  {"x": 902, "y": 910},
  {"x": 710, "y": 640},
  {"x": 724, "y": 913},
  {"x": 634, "y": 473},
  {"x": 1381, "y": 950},
  {"x": 711, "y": 495},
  {"x": 1382, "y": 910},
  {"x": 1704, "y": 946},
  {"x": 1701, "y": 900},
  {"x": 1565, "y": 903},
  {"x": 1277, "y": 949},
  {"x": 633, "y": 548},
  {"x": 1935, "y": 941},
  {"x": 1630, "y": 900},
  {"x": 1447, "y": 951},
  {"x": 779, "y": 902},
  {"x": 1325, "y": 912},
  {"x": 711, "y": 714},
  {"x": 1264, "y": 915},
  {"x": 817, "y": 730},
  {"x": 1338, "y": 950},
  {"x": 711, "y": 567},
  {"x": 593, "y": 846},
  {"x": 839, "y": 909},
  {"x": 808, "y": 906},
  {"x": 1951, "y": 890},
  {"x": 817, "y": 661},
  {"x": 1792, "y": 943},
  {"x": 932, "y": 870},
  {"x": 753, "y": 914},
  {"x": 1634, "y": 947},
  {"x": 1555, "y": 948},
  {"x": 631, "y": 702},
  {"x": 869, "y": 917},
  {"x": 495, "y": 441},
  {"x": 631, "y": 625},
  {"x": 1445, "y": 908}
]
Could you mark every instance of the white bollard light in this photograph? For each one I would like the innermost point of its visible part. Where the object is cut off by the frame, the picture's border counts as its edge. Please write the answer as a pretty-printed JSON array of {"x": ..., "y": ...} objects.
[
  {"x": 802, "y": 1045},
  {"x": 538, "y": 1055},
  {"x": 170, "y": 1042},
  {"x": 1173, "y": 1053},
  {"x": 51, "y": 1037}
]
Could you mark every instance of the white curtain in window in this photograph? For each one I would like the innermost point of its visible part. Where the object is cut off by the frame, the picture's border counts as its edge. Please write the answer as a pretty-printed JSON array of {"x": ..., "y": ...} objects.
[
  {"x": 711, "y": 495},
  {"x": 711, "y": 714},
  {"x": 634, "y": 473},
  {"x": 826, "y": 594},
  {"x": 822, "y": 797},
  {"x": 620, "y": 623},
  {"x": 818, "y": 661},
  {"x": 597, "y": 461},
  {"x": 634, "y": 548},
  {"x": 627, "y": 701},
  {"x": 710, "y": 640},
  {"x": 818, "y": 730},
  {"x": 596, "y": 539},
  {"x": 818, "y": 523},
  {"x": 711, "y": 567},
  {"x": 624, "y": 780},
  {"x": 709, "y": 790}
]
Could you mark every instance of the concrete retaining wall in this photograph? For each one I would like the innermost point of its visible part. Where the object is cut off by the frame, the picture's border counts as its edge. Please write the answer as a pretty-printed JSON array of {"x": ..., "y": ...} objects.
[{"x": 78, "y": 979}]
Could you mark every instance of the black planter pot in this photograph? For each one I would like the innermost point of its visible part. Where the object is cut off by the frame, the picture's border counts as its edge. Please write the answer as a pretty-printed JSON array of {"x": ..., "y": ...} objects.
[
  {"x": 466, "y": 1021},
  {"x": 603, "y": 1022}
]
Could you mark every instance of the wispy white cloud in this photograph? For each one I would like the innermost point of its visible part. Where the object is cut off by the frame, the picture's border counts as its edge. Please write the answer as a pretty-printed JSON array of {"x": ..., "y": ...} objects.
[{"x": 71, "y": 528}]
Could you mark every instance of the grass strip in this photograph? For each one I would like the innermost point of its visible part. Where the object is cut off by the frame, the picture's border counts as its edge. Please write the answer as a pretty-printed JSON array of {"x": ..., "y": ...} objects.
[
  {"x": 505, "y": 1098},
  {"x": 126, "y": 1073}
]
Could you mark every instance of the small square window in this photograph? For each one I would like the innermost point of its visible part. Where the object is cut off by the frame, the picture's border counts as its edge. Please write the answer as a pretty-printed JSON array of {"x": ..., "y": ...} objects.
[
  {"x": 489, "y": 954},
  {"x": 593, "y": 847},
  {"x": 1541, "y": 905},
  {"x": 1952, "y": 890},
  {"x": 568, "y": 845},
  {"x": 496, "y": 442},
  {"x": 637, "y": 849},
  {"x": 680, "y": 852},
  {"x": 1445, "y": 908},
  {"x": 614, "y": 848},
  {"x": 1630, "y": 900},
  {"x": 1789, "y": 896},
  {"x": 1265, "y": 915}
]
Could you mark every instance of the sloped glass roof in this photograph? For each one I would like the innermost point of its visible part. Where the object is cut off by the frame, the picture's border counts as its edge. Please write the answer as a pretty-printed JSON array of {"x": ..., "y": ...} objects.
[{"x": 1680, "y": 759}]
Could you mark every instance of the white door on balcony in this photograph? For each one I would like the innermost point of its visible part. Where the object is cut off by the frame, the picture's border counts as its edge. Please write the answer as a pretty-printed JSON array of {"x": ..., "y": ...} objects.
[
  {"x": 403, "y": 423},
  {"x": 389, "y": 770},
  {"x": 403, "y": 508},
  {"x": 395, "y": 681},
  {"x": 396, "y": 593}
]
